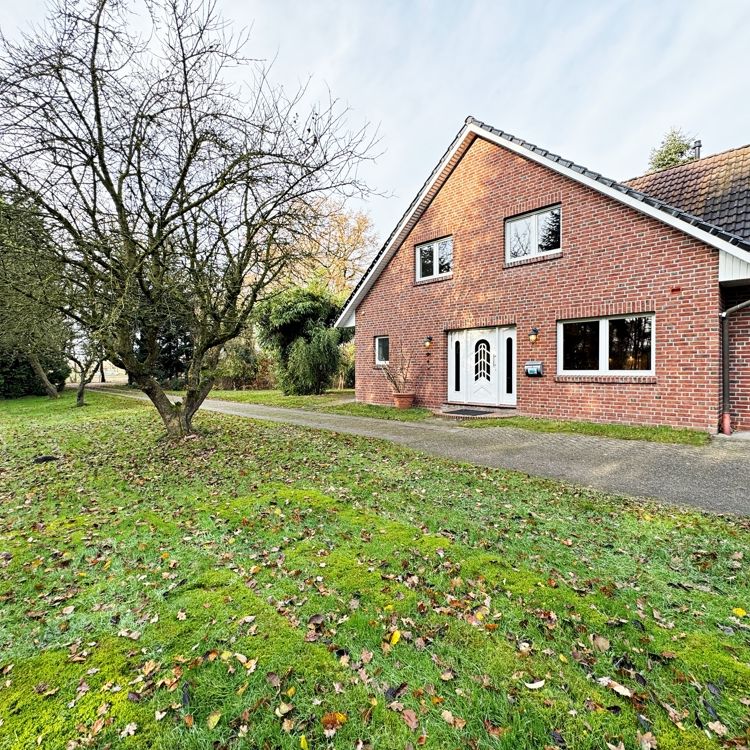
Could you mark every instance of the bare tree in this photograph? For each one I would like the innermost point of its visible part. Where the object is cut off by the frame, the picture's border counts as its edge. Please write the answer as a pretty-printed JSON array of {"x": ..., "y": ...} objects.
[
  {"x": 340, "y": 251},
  {"x": 86, "y": 358},
  {"x": 168, "y": 192}
]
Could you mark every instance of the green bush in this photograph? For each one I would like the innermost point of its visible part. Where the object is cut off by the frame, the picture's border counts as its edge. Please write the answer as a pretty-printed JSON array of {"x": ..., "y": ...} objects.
[
  {"x": 17, "y": 379},
  {"x": 244, "y": 366},
  {"x": 311, "y": 363},
  {"x": 296, "y": 326}
]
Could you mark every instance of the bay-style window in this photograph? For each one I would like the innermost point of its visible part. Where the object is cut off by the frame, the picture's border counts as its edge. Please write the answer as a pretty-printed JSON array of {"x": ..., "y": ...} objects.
[
  {"x": 382, "y": 350},
  {"x": 434, "y": 259},
  {"x": 532, "y": 235},
  {"x": 622, "y": 345}
]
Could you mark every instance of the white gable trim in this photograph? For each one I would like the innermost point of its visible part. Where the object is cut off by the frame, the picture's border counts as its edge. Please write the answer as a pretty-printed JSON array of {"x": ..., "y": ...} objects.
[
  {"x": 732, "y": 268},
  {"x": 465, "y": 138}
]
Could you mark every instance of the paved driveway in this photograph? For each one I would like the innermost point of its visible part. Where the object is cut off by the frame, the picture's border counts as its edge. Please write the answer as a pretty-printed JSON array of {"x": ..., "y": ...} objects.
[{"x": 715, "y": 477}]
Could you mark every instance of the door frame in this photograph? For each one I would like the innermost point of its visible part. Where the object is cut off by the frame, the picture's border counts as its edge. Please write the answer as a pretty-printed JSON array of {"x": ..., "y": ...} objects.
[{"x": 461, "y": 373}]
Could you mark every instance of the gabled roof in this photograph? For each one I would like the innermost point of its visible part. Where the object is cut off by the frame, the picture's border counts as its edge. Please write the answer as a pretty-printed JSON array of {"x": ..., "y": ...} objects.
[
  {"x": 716, "y": 188},
  {"x": 693, "y": 225}
]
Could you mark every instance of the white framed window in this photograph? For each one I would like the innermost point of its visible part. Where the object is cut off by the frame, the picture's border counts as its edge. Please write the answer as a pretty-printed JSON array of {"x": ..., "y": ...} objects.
[
  {"x": 534, "y": 234},
  {"x": 382, "y": 350},
  {"x": 434, "y": 259},
  {"x": 617, "y": 345}
]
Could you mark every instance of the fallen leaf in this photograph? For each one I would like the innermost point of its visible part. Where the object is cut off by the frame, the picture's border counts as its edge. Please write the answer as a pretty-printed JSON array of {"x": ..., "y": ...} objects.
[
  {"x": 182, "y": 615},
  {"x": 213, "y": 719},
  {"x": 493, "y": 730},
  {"x": 273, "y": 679},
  {"x": 455, "y": 721},
  {"x": 283, "y": 709},
  {"x": 447, "y": 716},
  {"x": 612, "y": 685},
  {"x": 646, "y": 741},
  {"x": 739, "y": 612},
  {"x": 303, "y": 743},
  {"x": 675, "y": 716},
  {"x": 410, "y": 719},
  {"x": 129, "y": 730},
  {"x": 535, "y": 685},
  {"x": 599, "y": 642},
  {"x": 332, "y": 722},
  {"x": 395, "y": 637},
  {"x": 718, "y": 728}
]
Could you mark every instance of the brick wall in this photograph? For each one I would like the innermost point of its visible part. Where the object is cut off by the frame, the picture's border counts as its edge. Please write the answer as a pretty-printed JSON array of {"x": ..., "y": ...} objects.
[
  {"x": 614, "y": 260},
  {"x": 739, "y": 360}
]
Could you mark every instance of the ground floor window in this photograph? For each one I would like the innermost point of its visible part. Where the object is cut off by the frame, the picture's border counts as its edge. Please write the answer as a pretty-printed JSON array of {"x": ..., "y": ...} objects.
[
  {"x": 382, "y": 350},
  {"x": 616, "y": 345}
]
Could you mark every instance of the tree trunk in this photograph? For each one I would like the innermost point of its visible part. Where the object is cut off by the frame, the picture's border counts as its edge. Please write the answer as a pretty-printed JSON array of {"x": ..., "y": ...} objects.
[
  {"x": 87, "y": 375},
  {"x": 102, "y": 379},
  {"x": 177, "y": 417},
  {"x": 42, "y": 375}
]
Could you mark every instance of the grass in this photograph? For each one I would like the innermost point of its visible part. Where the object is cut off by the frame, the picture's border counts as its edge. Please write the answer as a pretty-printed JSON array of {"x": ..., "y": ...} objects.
[
  {"x": 415, "y": 414},
  {"x": 277, "y": 398},
  {"x": 330, "y": 402},
  {"x": 659, "y": 434},
  {"x": 263, "y": 583}
]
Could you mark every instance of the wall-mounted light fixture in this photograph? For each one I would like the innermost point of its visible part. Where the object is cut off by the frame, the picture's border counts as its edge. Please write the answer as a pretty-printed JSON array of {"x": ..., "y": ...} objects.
[
  {"x": 427, "y": 342},
  {"x": 533, "y": 335}
]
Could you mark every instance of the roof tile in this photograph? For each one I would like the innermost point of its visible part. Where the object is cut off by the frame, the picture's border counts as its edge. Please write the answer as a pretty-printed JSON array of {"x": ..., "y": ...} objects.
[{"x": 716, "y": 189}]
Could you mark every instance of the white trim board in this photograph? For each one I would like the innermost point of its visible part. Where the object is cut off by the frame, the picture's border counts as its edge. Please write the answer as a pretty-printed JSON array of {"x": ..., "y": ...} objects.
[{"x": 465, "y": 138}]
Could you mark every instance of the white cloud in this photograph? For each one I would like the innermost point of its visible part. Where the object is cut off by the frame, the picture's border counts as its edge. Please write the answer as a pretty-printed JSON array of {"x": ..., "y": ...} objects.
[{"x": 598, "y": 82}]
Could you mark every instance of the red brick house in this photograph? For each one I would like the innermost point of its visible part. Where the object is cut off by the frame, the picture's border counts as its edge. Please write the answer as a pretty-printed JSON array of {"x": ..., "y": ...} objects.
[{"x": 519, "y": 279}]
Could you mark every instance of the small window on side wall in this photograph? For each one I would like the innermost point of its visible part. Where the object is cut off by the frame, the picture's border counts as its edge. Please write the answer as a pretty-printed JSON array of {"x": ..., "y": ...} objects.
[
  {"x": 533, "y": 235},
  {"x": 382, "y": 350},
  {"x": 434, "y": 259}
]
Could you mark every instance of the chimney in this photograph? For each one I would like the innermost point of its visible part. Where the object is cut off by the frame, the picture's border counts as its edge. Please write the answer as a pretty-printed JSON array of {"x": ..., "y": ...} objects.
[{"x": 697, "y": 149}]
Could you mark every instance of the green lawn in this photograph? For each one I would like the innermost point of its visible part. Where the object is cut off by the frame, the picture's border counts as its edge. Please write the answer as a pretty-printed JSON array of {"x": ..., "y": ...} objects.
[
  {"x": 262, "y": 584},
  {"x": 621, "y": 431},
  {"x": 277, "y": 398},
  {"x": 331, "y": 402}
]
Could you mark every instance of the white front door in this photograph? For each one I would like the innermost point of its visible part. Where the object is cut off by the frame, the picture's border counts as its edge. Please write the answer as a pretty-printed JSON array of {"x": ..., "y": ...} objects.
[
  {"x": 482, "y": 366},
  {"x": 481, "y": 351}
]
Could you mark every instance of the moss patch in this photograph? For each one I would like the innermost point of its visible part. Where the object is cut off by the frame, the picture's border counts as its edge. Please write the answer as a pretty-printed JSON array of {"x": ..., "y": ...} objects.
[{"x": 230, "y": 591}]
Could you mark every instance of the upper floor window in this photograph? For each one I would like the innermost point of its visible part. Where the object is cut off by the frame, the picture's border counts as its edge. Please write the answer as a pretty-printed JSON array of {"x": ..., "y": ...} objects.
[
  {"x": 605, "y": 346},
  {"x": 434, "y": 259},
  {"x": 533, "y": 234}
]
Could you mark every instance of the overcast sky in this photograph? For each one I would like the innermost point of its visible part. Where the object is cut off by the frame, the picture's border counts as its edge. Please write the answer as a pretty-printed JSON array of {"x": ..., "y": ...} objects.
[{"x": 598, "y": 82}]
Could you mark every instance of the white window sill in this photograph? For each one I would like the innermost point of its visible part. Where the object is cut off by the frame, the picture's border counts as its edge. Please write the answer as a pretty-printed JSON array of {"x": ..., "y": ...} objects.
[
  {"x": 644, "y": 378},
  {"x": 553, "y": 255},
  {"x": 433, "y": 279}
]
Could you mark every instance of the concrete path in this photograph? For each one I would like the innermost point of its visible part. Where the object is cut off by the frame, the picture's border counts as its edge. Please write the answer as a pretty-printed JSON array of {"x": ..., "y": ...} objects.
[{"x": 715, "y": 477}]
